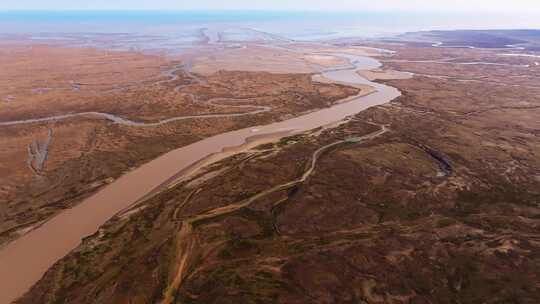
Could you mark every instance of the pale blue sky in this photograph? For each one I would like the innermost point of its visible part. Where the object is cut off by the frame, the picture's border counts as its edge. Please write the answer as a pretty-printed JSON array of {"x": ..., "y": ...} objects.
[{"x": 475, "y": 6}]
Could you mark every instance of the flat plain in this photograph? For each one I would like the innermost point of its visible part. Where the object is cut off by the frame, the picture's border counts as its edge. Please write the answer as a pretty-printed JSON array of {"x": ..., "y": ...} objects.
[{"x": 430, "y": 198}]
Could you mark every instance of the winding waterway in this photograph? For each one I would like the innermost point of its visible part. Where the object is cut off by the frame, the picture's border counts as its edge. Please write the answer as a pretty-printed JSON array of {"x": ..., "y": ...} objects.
[
  {"x": 25, "y": 260},
  {"x": 171, "y": 74}
]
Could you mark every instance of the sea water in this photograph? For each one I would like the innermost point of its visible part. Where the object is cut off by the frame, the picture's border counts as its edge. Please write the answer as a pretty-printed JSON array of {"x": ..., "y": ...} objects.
[{"x": 173, "y": 29}]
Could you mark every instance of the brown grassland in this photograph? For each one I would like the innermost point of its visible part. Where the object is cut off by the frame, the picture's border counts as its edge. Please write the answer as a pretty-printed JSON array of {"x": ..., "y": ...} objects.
[{"x": 432, "y": 198}]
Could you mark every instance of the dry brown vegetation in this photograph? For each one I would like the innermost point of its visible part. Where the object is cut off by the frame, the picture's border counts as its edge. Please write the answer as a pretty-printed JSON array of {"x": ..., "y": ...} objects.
[
  {"x": 441, "y": 208},
  {"x": 87, "y": 152}
]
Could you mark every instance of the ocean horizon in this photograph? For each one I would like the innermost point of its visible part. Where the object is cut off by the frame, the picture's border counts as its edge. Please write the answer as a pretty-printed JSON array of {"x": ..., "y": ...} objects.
[
  {"x": 291, "y": 24},
  {"x": 176, "y": 31}
]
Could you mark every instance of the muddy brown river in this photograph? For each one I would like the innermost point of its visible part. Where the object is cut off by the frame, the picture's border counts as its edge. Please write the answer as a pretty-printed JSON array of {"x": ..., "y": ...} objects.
[{"x": 24, "y": 261}]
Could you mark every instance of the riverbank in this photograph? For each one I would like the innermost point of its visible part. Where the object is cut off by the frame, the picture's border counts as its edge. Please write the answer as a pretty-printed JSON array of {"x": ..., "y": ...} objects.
[
  {"x": 139, "y": 121},
  {"x": 131, "y": 187}
]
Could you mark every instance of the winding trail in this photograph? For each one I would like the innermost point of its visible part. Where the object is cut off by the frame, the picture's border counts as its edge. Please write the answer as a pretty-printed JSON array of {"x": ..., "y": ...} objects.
[
  {"x": 25, "y": 260},
  {"x": 185, "y": 240}
]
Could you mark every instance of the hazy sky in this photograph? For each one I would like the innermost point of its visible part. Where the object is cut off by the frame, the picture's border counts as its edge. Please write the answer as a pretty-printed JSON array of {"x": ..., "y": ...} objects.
[{"x": 476, "y": 6}]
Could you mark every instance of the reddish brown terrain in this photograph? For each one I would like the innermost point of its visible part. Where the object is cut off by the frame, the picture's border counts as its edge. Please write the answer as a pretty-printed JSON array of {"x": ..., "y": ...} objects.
[
  {"x": 432, "y": 198},
  {"x": 48, "y": 166}
]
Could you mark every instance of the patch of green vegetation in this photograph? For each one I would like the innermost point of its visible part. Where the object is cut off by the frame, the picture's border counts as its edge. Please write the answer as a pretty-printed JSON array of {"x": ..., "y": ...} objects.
[
  {"x": 420, "y": 284},
  {"x": 264, "y": 220},
  {"x": 234, "y": 283},
  {"x": 245, "y": 194},
  {"x": 472, "y": 202},
  {"x": 289, "y": 140},
  {"x": 493, "y": 244},
  {"x": 297, "y": 247},
  {"x": 467, "y": 278},
  {"x": 324, "y": 242},
  {"x": 60, "y": 297},
  {"x": 389, "y": 207},
  {"x": 238, "y": 247},
  {"x": 445, "y": 222},
  {"x": 265, "y": 146},
  {"x": 353, "y": 140},
  {"x": 226, "y": 276},
  {"x": 389, "y": 210}
]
